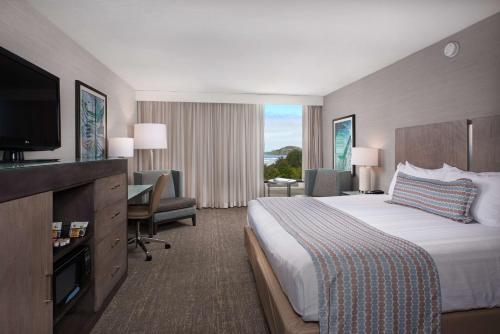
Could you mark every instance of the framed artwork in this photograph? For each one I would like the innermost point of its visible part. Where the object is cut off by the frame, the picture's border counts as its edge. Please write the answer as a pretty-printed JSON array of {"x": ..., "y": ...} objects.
[
  {"x": 91, "y": 121},
  {"x": 343, "y": 141}
]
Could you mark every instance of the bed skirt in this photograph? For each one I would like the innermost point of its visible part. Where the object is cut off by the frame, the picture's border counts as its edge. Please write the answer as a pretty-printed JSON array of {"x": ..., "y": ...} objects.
[{"x": 282, "y": 319}]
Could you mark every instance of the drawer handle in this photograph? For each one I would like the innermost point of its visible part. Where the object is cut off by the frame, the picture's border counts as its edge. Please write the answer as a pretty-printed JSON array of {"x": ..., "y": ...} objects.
[
  {"x": 115, "y": 187},
  {"x": 115, "y": 271},
  {"x": 115, "y": 242},
  {"x": 49, "y": 288}
]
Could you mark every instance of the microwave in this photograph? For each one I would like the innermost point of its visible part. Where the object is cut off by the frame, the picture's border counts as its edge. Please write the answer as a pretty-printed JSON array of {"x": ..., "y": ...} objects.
[{"x": 72, "y": 275}]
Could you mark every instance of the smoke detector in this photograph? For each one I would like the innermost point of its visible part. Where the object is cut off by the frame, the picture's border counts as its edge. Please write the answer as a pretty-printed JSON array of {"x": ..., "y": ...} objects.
[{"x": 451, "y": 49}]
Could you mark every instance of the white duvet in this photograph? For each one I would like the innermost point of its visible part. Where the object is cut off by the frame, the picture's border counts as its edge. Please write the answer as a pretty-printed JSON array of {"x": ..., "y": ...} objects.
[{"x": 467, "y": 256}]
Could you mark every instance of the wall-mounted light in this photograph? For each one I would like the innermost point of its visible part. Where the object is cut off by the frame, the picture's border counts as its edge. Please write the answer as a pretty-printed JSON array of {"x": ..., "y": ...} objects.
[{"x": 451, "y": 49}]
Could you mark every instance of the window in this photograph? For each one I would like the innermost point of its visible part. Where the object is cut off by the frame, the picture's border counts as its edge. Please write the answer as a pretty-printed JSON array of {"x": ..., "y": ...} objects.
[{"x": 283, "y": 141}]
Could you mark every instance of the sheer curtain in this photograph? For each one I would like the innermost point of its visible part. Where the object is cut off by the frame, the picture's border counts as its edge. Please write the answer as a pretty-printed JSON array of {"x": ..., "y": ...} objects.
[
  {"x": 312, "y": 147},
  {"x": 218, "y": 146}
]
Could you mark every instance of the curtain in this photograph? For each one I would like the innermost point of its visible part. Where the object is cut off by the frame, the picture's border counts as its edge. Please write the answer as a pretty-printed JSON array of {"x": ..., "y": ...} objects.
[
  {"x": 218, "y": 147},
  {"x": 312, "y": 147}
]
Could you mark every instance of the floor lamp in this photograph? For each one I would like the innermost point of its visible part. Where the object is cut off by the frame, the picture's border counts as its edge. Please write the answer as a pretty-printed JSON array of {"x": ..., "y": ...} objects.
[{"x": 150, "y": 136}]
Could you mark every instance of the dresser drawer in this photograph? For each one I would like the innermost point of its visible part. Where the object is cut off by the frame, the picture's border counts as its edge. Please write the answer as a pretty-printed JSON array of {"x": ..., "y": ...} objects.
[
  {"x": 110, "y": 263},
  {"x": 109, "y": 190},
  {"x": 109, "y": 218}
]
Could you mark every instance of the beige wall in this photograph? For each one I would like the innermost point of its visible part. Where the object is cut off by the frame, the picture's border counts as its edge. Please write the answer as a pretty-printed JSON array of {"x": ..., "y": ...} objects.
[
  {"x": 426, "y": 87},
  {"x": 28, "y": 34}
]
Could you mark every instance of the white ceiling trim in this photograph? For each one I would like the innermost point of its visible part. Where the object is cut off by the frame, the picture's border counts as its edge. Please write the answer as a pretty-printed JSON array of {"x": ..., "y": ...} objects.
[{"x": 228, "y": 98}]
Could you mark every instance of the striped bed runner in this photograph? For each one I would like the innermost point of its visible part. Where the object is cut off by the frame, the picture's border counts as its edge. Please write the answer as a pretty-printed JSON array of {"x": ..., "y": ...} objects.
[{"x": 368, "y": 280}]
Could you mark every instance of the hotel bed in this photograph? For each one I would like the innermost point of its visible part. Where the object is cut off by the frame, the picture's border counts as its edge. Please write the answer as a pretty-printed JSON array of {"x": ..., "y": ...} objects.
[{"x": 467, "y": 256}]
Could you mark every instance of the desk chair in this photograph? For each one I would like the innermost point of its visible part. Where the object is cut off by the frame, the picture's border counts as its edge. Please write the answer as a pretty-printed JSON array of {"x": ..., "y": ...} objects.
[{"x": 144, "y": 212}]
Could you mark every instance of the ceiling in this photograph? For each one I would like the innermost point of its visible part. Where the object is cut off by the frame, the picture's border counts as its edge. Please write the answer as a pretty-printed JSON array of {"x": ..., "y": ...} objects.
[{"x": 256, "y": 46}]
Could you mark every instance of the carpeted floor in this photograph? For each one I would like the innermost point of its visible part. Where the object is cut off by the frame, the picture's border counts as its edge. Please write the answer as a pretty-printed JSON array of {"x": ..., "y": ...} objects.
[{"x": 203, "y": 284}]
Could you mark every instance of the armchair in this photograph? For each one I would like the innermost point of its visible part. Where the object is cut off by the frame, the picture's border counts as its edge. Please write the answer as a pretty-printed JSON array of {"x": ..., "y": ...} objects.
[{"x": 326, "y": 182}]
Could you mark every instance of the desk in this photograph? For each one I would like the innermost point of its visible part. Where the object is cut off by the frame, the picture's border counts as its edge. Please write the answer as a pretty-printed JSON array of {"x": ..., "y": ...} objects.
[{"x": 136, "y": 190}]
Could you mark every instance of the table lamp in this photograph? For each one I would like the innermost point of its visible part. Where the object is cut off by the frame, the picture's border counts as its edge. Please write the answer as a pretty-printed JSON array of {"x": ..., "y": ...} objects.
[
  {"x": 365, "y": 158},
  {"x": 120, "y": 147},
  {"x": 150, "y": 136}
]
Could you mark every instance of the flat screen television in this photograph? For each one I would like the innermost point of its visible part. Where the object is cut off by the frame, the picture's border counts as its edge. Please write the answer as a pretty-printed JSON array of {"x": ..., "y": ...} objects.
[{"x": 29, "y": 108}]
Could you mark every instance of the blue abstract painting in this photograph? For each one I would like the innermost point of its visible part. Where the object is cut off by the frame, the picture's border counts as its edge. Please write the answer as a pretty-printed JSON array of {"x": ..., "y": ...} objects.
[
  {"x": 92, "y": 124},
  {"x": 343, "y": 141}
]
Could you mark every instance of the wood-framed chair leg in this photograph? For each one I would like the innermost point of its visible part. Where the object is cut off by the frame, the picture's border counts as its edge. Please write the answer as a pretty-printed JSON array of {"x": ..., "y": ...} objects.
[{"x": 193, "y": 218}]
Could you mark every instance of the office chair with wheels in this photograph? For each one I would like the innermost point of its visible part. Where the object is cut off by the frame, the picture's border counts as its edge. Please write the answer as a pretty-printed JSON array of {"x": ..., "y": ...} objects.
[{"x": 144, "y": 212}]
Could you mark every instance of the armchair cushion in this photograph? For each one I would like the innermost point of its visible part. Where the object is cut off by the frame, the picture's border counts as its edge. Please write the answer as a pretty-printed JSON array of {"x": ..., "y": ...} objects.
[{"x": 170, "y": 204}]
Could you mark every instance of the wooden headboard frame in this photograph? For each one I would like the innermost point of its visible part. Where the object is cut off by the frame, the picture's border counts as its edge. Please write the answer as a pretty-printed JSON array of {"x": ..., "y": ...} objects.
[{"x": 469, "y": 144}]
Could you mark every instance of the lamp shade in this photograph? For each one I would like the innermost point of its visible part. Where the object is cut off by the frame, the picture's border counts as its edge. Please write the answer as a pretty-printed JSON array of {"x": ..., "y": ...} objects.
[
  {"x": 148, "y": 136},
  {"x": 121, "y": 147},
  {"x": 364, "y": 156}
]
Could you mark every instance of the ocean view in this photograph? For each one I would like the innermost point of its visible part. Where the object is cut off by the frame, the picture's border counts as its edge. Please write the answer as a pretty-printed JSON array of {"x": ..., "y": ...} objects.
[
  {"x": 283, "y": 141},
  {"x": 269, "y": 159}
]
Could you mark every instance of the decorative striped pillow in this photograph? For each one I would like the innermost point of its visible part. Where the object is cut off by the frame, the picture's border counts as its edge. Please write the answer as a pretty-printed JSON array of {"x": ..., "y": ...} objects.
[{"x": 448, "y": 199}]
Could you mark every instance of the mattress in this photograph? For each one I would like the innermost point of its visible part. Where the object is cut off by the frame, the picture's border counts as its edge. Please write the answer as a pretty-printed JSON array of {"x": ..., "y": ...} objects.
[{"x": 467, "y": 256}]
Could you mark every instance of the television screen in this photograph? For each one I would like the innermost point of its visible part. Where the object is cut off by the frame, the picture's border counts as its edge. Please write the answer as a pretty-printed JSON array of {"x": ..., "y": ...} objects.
[{"x": 29, "y": 106}]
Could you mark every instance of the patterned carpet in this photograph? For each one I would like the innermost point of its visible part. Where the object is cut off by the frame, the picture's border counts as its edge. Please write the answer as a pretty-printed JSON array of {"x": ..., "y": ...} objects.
[{"x": 203, "y": 284}]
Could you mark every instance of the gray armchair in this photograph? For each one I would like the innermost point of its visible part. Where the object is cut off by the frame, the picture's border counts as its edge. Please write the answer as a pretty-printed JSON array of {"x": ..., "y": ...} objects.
[
  {"x": 173, "y": 206},
  {"x": 326, "y": 182}
]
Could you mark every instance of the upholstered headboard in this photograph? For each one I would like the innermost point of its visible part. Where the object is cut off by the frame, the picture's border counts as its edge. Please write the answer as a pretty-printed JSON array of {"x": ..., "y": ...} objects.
[
  {"x": 466, "y": 144},
  {"x": 429, "y": 146}
]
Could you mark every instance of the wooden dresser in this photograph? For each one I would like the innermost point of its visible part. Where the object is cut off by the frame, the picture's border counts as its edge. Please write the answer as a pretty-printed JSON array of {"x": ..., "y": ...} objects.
[
  {"x": 110, "y": 235},
  {"x": 31, "y": 198}
]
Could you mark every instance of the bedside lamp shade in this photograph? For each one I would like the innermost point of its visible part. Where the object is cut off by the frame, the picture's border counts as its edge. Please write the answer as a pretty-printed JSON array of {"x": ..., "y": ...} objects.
[
  {"x": 149, "y": 136},
  {"x": 365, "y": 158},
  {"x": 120, "y": 147}
]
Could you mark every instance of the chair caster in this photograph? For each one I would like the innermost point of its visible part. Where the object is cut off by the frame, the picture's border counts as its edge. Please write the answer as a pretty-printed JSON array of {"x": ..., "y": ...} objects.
[
  {"x": 148, "y": 257},
  {"x": 167, "y": 246}
]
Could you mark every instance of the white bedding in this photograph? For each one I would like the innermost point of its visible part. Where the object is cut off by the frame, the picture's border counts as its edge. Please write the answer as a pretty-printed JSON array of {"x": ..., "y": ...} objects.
[{"x": 467, "y": 256}]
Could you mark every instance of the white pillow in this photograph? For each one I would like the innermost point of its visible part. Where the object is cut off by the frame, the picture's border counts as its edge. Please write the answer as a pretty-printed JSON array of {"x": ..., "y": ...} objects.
[
  {"x": 435, "y": 174},
  {"x": 394, "y": 178},
  {"x": 448, "y": 168},
  {"x": 412, "y": 170},
  {"x": 486, "y": 207}
]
